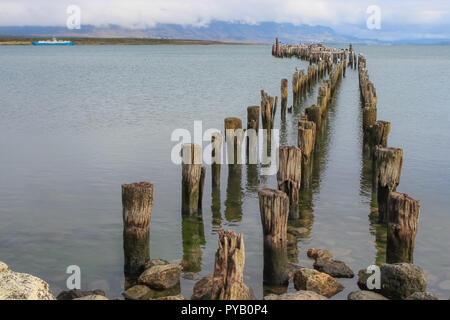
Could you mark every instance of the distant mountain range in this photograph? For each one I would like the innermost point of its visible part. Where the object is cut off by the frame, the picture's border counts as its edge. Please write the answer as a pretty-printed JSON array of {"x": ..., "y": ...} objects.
[{"x": 264, "y": 32}]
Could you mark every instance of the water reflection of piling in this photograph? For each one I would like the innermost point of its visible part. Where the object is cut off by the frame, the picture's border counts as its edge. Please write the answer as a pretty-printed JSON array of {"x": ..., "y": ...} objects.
[
  {"x": 193, "y": 237},
  {"x": 137, "y": 203},
  {"x": 274, "y": 209},
  {"x": 233, "y": 202}
]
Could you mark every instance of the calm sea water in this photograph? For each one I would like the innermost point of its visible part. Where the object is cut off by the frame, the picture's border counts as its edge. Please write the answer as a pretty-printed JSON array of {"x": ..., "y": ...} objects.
[{"x": 78, "y": 122}]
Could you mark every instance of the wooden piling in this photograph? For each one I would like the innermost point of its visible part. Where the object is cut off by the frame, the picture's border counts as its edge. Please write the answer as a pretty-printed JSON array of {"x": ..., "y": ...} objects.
[
  {"x": 369, "y": 116},
  {"x": 306, "y": 137},
  {"x": 191, "y": 178},
  {"x": 234, "y": 136},
  {"x": 137, "y": 205},
  {"x": 284, "y": 96},
  {"x": 313, "y": 114},
  {"x": 403, "y": 218},
  {"x": 376, "y": 135},
  {"x": 252, "y": 134},
  {"x": 289, "y": 176},
  {"x": 389, "y": 167},
  {"x": 228, "y": 278},
  {"x": 268, "y": 110},
  {"x": 216, "y": 158},
  {"x": 274, "y": 209}
]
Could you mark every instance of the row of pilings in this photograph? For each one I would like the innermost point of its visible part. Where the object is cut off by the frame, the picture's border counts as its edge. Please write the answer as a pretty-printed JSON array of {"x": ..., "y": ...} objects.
[
  {"x": 397, "y": 211},
  {"x": 279, "y": 204},
  {"x": 276, "y": 205}
]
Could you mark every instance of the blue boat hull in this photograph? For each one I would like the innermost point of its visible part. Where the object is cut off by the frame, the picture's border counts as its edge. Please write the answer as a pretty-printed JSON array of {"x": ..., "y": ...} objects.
[{"x": 53, "y": 44}]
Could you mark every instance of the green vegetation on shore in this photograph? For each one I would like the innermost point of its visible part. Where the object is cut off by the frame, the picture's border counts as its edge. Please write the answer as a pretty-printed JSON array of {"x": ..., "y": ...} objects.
[{"x": 118, "y": 41}]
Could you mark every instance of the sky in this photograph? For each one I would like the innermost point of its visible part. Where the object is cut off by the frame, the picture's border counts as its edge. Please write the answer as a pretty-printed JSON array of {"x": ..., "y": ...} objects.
[{"x": 398, "y": 18}]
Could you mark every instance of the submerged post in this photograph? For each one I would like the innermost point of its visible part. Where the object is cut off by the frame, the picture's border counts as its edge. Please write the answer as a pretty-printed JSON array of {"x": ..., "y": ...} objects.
[
  {"x": 289, "y": 176},
  {"x": 191, "y": 178},
  {"x": 274, "y": 209},
  {"x": 137, "y": 204},
  {"x": 389, "y": 165},
  {"x": 403, "y": 218}
]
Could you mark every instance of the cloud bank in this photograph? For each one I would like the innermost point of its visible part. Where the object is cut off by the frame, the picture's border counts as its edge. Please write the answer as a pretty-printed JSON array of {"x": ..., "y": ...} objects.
[{"x": 419, "y": 17}]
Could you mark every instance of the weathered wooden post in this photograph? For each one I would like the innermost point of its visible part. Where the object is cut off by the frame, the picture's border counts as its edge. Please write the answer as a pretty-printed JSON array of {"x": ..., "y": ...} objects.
[
  {"x": 216, "y": 158},
  {"x": 389, "y": 166},
  {"x": 295, "y": 88},
  {"x": 274, "y": 209},
  {"x": 137, "y": 204},
  {"x": 403, "y": 218},
  {"x": 268, "y": 110},
  {"x": 377, "y": 134},
  {"x": 313, "y": 114},
  {"x": 306, "y": 143},
  {"x": 284, "y": 96},
  {"x": 228, "y": 279},
  {"x": 234, "y": 136},
  {"x": 277, "y": 47},
  {"x": 289, "y": 176},
  {"x": 369, "y": 116},
  {"x": 191, "y": 178},
  {"x": 252, "y": 134}
]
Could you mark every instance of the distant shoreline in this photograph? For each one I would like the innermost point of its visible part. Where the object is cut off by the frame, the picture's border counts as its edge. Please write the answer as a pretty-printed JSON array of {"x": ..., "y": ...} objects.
[{"x": 120, "y": 41}]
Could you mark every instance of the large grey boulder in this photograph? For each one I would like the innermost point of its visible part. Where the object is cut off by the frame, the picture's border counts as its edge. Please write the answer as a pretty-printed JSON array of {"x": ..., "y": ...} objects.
[
  {"x": 401, "y": 280},
  {"x": 22, "y": 286},
  {"x": 365, "y": 295},
  {"x": 299, "y": 295}
]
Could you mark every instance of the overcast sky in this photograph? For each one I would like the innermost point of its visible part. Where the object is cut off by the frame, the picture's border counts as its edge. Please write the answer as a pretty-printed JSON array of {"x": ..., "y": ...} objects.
[{"x": 413, "y": 17}]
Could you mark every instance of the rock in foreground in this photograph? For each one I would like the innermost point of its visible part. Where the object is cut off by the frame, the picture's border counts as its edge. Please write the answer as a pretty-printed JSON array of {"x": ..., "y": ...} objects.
[
  {"x": 422, "y": 296},
  {"x": 365, "y": 295},
  {"x": 319, "y": 282},
  {"x": 93, "y": 297},
  {"x": 22, "y": 286},
  {"x": 161, "y": 277},
  {"x": 299, "y": 295},
  {"x": 75, "y": 294},
  {"x": 401, "y": 280},
  {"x": 137, "y": 292},
  {"x": 319, "y": 254},
  {"x": 203, "y": 288},
  {"x": 178, "y": 297},
  {"x": 334, "y": 268}
]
